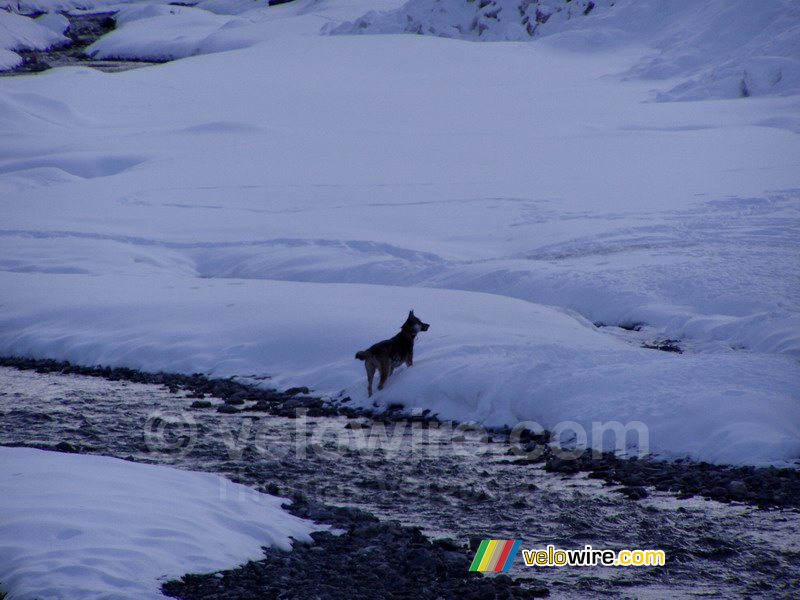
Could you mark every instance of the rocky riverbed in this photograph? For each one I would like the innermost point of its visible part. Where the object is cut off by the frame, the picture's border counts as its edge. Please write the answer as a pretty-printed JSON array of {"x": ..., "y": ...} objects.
[{"x": 409, "y": 497}]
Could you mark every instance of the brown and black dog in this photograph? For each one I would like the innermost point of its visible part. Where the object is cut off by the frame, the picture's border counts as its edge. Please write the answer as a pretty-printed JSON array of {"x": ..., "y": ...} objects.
[{"x": 388, "y": 354}]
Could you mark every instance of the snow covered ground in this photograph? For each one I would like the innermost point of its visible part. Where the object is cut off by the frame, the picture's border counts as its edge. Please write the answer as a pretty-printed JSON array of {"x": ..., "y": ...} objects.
[
  {"x": 281, "y": 198},
  {"x": 96, "y": 527}
]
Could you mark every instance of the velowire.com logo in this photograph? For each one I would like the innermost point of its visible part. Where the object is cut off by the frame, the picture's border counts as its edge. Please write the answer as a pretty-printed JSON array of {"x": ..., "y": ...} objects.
[{"x": 495, "y": 555}]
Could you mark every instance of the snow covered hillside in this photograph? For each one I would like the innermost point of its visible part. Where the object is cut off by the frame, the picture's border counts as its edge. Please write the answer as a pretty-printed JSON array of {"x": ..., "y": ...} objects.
[
  {"x": 722, "y": 49},
  {"x": 282, "y": 197}
]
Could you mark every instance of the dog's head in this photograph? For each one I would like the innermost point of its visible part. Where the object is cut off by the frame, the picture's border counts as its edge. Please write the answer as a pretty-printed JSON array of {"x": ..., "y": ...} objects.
[{"x": 414, "y": 325}]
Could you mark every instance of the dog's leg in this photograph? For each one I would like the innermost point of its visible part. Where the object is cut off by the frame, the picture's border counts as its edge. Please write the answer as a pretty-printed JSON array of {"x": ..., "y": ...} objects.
[
  {"x": 385, "y": 368},
  {"x": 370, "y": 365}
]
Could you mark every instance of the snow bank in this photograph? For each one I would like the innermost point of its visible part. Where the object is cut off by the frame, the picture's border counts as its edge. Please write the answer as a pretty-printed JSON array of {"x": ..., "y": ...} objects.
[
  {"x": 18, "y": 32},
  {"x": 160, "y": 32},
  {"x": 487, "y": 358},
  {"x": 88, "y": 527}
]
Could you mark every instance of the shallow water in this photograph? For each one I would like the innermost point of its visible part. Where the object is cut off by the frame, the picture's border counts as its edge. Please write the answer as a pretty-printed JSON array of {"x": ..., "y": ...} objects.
[{"x": 458, "y": 483}]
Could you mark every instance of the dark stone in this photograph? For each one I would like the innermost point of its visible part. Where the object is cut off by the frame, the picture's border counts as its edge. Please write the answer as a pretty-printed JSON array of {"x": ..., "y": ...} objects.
[
  {"x": 66, "y": 447},
  {"x": 718, "y": 493},
  {"x": 261, "y": 406},
  {"x": 634, "y": 492},
  {"x": 294, "y": 391},
  {"x": 560, "y": 465},
  {"x": 737, "y": 489},
  {"x": 199, "y": 404}
]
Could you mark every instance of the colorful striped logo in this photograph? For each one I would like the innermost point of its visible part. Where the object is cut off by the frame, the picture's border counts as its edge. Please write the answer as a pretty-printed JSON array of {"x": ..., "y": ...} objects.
[{"x": 495, "y": 555}]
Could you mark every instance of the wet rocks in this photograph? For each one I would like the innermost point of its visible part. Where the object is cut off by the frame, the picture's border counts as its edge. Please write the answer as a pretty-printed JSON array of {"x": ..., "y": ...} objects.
[
  {"x": 764, "y": 487},
  {"x": 371, "y": 560},
  {"x": 197, "y": 385}
]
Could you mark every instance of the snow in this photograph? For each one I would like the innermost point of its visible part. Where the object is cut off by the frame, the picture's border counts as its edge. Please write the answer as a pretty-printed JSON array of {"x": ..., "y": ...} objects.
[
  {"x": 281, "y": 199},
  {"x": 158, "y": 32},
  {"x": 96, "y": 527},
  {"x": 719, "y": 49},
  {"x": 18, "y": 32}
]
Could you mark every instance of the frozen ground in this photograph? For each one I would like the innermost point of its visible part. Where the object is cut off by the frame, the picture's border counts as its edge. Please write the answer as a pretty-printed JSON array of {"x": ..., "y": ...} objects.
[{"x": 282, "y": 199}]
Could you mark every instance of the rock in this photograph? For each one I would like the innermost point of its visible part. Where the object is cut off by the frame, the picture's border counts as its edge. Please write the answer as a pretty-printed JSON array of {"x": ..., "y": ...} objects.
[
  {"x": 560, "y": 465},
  {"x": 200, "y": 404},
  {"x": 294, "y": 391},
  {"x": 227, "y": 409},
  {"x": 65, "y": 447},
  {"x": 718, "y": 493},
  {"x": 737, "y": 489},
  {"x": 634, "y": 492},
  {"x": 302, "y": 402},
  {"x": 261, "y": 406}
]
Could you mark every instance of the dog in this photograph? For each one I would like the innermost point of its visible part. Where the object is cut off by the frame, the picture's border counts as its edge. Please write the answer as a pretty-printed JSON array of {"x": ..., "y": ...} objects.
[{"x": 388, "y": 354}]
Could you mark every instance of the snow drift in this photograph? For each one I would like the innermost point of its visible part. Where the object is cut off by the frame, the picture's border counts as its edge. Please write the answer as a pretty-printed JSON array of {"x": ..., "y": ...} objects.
[{"x": 95, "y": 527}]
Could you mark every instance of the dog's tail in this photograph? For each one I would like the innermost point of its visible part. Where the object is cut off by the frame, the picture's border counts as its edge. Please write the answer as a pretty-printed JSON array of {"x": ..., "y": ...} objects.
[{"x": 362, "y": 355}]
